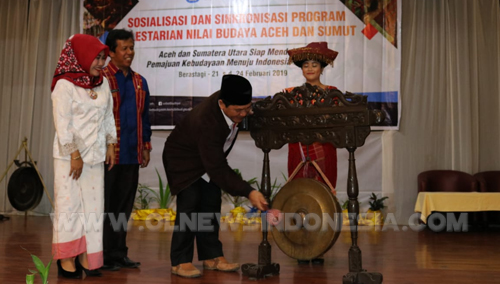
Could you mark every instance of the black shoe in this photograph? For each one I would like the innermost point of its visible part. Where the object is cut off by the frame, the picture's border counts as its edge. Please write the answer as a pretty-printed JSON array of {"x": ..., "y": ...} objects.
[
  {"x": 110, "y": 266},
  {"x": 126, "y": 262},
  {"x": 88, "y": 272},
  {"x": 318, "y": 261},
  {"x": 68, "y": 274},
  {"x": 300, "y": 261}
]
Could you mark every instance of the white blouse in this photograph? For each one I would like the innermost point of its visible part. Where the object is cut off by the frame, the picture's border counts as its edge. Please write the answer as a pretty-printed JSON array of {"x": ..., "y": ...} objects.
[{"x": 82, "y": 123}]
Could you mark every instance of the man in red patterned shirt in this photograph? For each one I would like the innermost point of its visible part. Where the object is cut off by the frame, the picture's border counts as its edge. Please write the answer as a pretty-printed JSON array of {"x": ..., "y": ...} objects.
[{"x": 130, "y": 107}]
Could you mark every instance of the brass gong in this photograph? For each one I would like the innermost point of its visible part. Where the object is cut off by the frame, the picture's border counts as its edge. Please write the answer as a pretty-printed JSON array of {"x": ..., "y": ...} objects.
[{"x": 311, "y": 219}]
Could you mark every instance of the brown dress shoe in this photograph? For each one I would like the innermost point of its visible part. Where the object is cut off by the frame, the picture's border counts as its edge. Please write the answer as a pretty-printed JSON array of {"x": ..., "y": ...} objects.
[
  {"x": 221, "y": 264},
  {"x": 188, "y": 271}
]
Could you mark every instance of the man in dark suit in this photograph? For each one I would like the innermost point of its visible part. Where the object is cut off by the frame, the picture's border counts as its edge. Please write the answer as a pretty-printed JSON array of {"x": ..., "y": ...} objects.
[{"x": 195, "y": 162}]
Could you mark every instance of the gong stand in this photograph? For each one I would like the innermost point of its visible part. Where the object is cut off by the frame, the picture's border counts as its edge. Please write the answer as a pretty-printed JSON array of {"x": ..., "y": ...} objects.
[
  {"x": 24, "y": 145},
  {"x": 308, "y": 114},
  {"x": 264, "y": 267}
]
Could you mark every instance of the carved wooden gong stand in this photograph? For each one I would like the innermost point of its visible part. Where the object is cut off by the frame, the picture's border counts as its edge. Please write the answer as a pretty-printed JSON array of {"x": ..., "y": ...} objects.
[{"x": 306, "y": 115}]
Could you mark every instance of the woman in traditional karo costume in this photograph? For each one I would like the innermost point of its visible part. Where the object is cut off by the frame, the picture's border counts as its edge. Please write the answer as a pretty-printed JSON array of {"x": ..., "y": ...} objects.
[
  {"x": 312, "y": 59},
  {"x": 84, "y": 141}
]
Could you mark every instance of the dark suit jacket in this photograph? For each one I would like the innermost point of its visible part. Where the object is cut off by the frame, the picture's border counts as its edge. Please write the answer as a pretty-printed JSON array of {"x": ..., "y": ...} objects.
[{"x": 195, "y": 147}]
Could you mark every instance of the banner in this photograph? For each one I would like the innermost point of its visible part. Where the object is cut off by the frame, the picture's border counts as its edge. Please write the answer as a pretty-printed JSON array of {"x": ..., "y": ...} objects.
[{"x": 184, "y": 47}]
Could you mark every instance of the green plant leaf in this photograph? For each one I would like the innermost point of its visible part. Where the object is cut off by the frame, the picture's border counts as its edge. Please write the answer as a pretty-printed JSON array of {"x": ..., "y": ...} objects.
[
  {"x": 252, "y": 181},
  {"x": 237, "y": 201},
  {"x": 237, "y": 171},
  {"x": 377, "y": 203},
  {"x": 38, "y": 263},
  {"x": 42, "y": 270},
  {"x": 45, "y": 274},
  {"x": 275, "y": 188},
  {"x": 30, "y": 278},
  {"x": 143, "y": 198},
  {"x": 164, "y": 193},
  {"x": 285, "y": 177},
  {"x": 168, "y": 196},
  {"x": 160, "y": 181},
  {"x": 345, "y": 204}
]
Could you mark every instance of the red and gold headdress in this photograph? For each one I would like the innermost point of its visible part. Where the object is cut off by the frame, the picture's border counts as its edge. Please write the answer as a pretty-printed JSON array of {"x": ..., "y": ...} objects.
[{"x": 318, "y": 51}]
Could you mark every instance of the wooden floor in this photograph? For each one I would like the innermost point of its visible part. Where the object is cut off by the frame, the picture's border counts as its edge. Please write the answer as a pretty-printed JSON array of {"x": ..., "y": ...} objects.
[{"x": 401, "y": 256}]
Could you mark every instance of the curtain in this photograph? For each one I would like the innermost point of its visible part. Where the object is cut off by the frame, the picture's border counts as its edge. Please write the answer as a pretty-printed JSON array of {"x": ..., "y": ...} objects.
[
  {"x": 14, "y": 21},
  {"x": 450, "y": 96},
  {"x": 32, "y": 37}
]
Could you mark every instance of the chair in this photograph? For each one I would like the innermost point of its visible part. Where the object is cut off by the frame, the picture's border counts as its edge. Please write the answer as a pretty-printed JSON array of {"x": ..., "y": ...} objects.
[
  {"x": 489, "y": 182},
  {"x": 448, "y": 181}
]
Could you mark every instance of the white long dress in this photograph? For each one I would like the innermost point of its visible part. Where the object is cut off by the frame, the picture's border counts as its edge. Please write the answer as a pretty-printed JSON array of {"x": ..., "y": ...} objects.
[{"x": 87, "y": 125}]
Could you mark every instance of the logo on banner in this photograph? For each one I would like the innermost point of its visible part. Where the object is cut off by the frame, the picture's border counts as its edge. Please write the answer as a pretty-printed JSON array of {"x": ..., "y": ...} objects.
[{"x": 192, "y": 1}]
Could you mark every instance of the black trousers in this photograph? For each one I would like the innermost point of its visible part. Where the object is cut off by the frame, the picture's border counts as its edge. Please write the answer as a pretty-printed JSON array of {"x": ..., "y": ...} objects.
[
  {"x": 120, "y": 187},
  {"x": 198, "y": 213}
]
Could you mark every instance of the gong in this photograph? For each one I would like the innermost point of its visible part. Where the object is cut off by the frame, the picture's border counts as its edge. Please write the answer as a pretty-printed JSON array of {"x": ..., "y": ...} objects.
[
  {"x": 25, "y": 189},
  {"x": 311, "y": 219}
]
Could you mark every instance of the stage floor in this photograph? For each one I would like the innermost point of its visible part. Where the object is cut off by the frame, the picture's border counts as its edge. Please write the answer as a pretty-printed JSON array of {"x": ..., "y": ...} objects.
[{"x": 402, "y": 256}]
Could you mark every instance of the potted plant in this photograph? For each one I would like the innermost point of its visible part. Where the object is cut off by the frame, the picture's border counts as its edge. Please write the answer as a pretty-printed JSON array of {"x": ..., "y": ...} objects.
[
  {"x": 143, "y": 198},
  {"x": 163, "y": 197},
  {"x": 374, "y": 216},
  {"x": 42, "y": 270}
]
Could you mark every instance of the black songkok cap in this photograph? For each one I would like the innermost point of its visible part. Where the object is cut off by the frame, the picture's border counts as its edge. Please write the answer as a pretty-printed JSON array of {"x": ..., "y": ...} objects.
[{"x": 235, "y": 90}]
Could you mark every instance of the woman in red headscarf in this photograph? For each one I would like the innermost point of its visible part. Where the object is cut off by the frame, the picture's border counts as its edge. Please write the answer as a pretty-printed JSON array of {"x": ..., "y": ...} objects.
[
  {"x": 84, "y": 141},
  {"x": 313, "y": 59}
]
